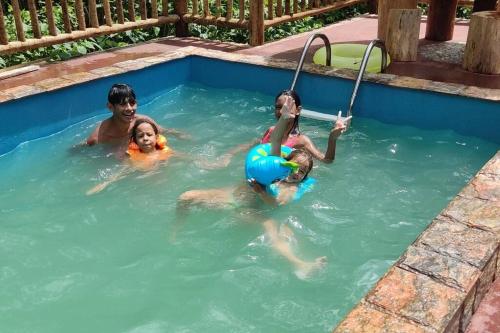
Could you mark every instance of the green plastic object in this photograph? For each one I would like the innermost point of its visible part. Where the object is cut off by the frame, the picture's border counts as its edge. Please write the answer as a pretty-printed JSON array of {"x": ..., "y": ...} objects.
[{"x": 350, "y": 56}]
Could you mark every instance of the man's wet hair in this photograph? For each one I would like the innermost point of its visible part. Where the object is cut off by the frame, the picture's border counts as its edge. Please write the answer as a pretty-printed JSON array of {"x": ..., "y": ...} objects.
[{"x": 120, "y": 94}]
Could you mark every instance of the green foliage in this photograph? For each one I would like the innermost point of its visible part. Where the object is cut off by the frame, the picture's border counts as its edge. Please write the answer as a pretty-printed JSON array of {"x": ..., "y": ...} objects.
[
  {"x": 464, "y": 12},
  {"x": 82, "y": 47},
  {"x": 67, "y": 50},
  {"x": 280, "y": 31}
]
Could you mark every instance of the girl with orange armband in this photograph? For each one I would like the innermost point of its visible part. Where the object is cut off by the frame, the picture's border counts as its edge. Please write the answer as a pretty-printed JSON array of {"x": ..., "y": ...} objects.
[{"x": 147, "y": 148}]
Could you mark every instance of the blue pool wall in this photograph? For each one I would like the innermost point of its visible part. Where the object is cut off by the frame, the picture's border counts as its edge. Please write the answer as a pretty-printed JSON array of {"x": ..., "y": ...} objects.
[
  {"x": 43, "y": 114},
  {"x": 393, "y": 105}
]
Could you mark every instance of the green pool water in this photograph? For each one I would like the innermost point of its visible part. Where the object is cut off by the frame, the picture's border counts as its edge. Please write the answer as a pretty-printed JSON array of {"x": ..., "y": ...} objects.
[{"x": 110, "y": 263}]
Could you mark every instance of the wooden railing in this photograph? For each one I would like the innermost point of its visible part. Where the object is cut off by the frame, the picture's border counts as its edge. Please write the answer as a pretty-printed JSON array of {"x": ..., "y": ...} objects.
[
  {"x": 90, "y": 21},
  {"x": 96, "y": 17}
]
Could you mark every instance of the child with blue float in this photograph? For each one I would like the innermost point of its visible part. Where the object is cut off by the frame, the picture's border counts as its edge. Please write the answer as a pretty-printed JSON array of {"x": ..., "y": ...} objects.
[
  {"x": 277, "y": 180},
  {"x": 274, "y": 171},
  {"x": 293, "y": 137}
]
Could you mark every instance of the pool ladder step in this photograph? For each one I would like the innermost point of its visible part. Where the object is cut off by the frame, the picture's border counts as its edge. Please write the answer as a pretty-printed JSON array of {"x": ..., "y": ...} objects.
[{"x": 325, "y": 116}]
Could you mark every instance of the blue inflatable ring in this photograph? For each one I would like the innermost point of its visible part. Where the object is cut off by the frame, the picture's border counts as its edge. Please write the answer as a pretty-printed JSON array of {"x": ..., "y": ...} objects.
[{"x": 264, "y": 167}]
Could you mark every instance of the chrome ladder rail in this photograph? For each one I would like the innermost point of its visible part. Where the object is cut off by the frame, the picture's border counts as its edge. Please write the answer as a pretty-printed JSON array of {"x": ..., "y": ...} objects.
[
  {"x": 362, "y": 68},
  {"x": 304, "y": 51}
]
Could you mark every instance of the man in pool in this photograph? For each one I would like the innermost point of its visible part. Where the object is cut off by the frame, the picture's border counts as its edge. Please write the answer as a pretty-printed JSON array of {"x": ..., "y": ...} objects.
[{"x": 116, "y": 129}]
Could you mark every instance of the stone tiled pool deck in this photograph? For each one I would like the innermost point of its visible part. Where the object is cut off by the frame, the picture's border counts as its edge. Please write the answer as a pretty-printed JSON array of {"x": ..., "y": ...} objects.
[{"x": 439, "y": 282}]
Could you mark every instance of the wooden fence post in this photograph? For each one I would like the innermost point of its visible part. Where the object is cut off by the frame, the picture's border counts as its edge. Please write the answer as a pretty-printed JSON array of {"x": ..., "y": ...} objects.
[
  {"x": 256, "y": 22},
  {"x": 4, "y": 39},
  {"x": 181, "y": 27}
]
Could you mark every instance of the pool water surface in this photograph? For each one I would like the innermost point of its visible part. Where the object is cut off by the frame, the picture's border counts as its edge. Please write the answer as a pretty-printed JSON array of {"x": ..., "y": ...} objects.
[{"x": 117, "y": 261}]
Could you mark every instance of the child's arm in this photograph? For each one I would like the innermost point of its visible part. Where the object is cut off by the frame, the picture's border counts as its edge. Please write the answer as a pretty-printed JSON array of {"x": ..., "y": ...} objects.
[
  {"x": 329, "y": 155},
  {"x": 288, "y": 113},
  {"x": 122, "y": 173}
]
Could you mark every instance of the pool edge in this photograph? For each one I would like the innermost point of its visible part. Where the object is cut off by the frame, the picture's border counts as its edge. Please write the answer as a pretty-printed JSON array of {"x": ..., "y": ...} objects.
[
  {"x": 438, "y": 282},
  {"x": 137, "y": 64}
]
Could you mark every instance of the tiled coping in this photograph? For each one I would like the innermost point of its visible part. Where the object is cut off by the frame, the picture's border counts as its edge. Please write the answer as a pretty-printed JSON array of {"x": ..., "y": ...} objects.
[
  {"x": 130, "y": 65},
  {"x": 438, "y": 283}
]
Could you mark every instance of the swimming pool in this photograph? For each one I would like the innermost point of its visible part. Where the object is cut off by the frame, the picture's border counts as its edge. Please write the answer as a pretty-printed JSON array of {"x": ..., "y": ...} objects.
[{"x": 110, "y": 257}]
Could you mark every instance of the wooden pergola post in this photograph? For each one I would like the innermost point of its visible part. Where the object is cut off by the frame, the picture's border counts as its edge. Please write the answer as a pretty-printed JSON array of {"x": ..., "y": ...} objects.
[
  {"x": 482, "y": 5},
  {"x": 372, "y": 6},
  {"x": 181, "y": 27},
  {"x": 441, "y": 20},
  {"x": 256, "y": 22}
]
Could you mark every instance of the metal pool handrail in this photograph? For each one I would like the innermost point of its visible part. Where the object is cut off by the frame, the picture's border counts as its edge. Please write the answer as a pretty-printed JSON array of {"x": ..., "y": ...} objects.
[
  {"x": 362, "y": 68},
  {"x": 304, "y": 51}
]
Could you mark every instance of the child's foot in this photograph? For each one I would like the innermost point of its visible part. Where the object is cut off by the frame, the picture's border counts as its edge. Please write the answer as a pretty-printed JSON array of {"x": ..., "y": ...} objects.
[{"x": 306, "y": 269}]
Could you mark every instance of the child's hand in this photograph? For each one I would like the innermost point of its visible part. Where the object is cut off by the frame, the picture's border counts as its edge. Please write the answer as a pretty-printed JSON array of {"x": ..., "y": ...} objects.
[
  {"x": 340, "y": 125},
  {"x": 289, "y": 110}
]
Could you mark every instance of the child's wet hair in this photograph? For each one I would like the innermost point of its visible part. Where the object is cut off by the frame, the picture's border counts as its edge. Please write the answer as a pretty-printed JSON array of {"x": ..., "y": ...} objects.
[
  {"x": 121, "y": 93},
  {"x": 292, "y": 93},
  {"x": 303, "y": 153},
  {"x": 139, "y": 122}
]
